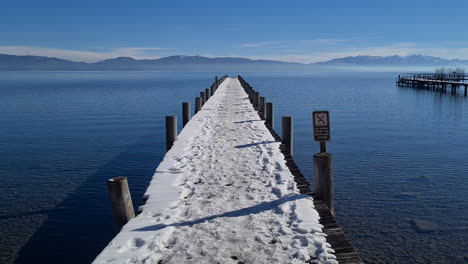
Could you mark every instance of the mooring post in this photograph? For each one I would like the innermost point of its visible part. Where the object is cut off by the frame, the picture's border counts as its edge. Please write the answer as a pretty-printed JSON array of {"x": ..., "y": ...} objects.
[
  {"x": 207, "y": 94},
  {"x": 287, "y": 132},
  {"x": 269, "y": 114},
  {"x": 122, "y": 205},
  {"x": 262, "y": 107},
  {"x": 198, "y": 104},
  {"x": 323, "y": 178},
  {"x": 185, "y": 113},
  {"x": 252, "y": 95},
  {"x": 216, "y": 78},
  {"x": 255, "y": 100},
  {"x": 202, "y": 96},
  {"x": 171, "y": 131}
]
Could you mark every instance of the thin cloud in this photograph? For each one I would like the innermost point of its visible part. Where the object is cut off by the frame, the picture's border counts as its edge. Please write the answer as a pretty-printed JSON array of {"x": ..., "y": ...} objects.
[
  {"x": 292, "y": 43},
  {"x": 138, "y": 49},
  {"x": 84, "y": 56},
  {"x": 401, "y": 49},
  {"x": 322, "y": 41},
  {"x": 258, "y": 44}
]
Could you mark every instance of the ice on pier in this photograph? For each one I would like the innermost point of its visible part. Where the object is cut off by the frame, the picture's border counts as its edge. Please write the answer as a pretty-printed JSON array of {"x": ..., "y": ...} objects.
[{"x": 223, "y": 194}]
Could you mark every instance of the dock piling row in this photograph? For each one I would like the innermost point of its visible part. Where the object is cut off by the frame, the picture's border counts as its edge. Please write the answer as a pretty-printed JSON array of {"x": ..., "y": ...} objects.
[{"x": 434, "y": 81}]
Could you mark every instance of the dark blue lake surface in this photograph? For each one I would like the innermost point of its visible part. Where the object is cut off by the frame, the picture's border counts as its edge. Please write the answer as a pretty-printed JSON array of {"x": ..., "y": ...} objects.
[{"x": 399, "y": 157}]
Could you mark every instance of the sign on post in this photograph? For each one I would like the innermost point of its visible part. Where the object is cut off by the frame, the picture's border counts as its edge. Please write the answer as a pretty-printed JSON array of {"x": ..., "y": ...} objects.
[{"x": 321, "y": 125}]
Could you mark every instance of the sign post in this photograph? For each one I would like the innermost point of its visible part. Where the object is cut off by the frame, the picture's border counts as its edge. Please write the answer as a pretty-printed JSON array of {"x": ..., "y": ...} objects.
[
  {"x": 321, "y": 120},
  {"x": 323, "y": 166}
]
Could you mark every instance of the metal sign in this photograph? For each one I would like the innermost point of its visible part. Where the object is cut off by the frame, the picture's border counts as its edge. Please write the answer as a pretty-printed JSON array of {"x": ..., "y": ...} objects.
[{"x": 321, "y": 125}]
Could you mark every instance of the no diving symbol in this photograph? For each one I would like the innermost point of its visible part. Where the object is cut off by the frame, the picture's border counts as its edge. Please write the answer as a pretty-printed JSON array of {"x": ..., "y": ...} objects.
[
  {"x": 321, "y": 125},
  {"x": 321, "y": 119}
]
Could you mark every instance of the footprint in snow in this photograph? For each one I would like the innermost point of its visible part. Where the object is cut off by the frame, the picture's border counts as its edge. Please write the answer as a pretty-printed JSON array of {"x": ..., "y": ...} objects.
[{"x": 278, "y": 166}]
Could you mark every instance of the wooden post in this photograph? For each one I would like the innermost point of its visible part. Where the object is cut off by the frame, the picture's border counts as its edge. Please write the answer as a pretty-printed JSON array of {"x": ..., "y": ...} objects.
[
  {"x": 287, "y": 132},
  {"x": 262, "y": 107},
  {"x": 198, "y": 104},
  {"x": 323, "y": 178},
  {"x": 207, "y": 94},
  {"x": 255, "y": 100},
  {"x": 185, "y": 113},
  {"x": 252, "y": 95},
  {"x": 270, "y": 119},
  {"x": 171, "y": 131},
  {"x": 323, "y": 146},
  {"x": 202, "y": 96},
  {"x": 212, "y": 90},
  {"x": 216, "y": 79},
  {"x": 466, "y": 86},
  {"x": 122, "y": 205}
]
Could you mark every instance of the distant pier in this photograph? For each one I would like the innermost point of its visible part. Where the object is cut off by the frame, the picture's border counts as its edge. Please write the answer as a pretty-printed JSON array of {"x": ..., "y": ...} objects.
[{"x": 441, "y": 81}]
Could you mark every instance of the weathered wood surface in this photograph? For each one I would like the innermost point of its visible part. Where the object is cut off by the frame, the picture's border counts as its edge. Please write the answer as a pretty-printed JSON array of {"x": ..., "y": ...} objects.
[
  {"x": 122, "y": 205},
  {"x": 171, "y": 131}
]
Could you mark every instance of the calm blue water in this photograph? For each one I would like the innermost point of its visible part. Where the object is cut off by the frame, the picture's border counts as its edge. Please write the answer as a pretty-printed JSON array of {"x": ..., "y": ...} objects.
[{"x": 399, "y": 157}]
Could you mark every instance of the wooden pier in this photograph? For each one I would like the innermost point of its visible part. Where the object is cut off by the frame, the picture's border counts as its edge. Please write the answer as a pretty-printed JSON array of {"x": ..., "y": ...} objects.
[
  {"x": 435, "y": 81},
  {"x": 226, "y": 145}
]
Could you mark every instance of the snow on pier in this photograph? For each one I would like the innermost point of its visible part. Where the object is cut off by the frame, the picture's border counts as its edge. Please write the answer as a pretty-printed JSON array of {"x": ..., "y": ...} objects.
[{"x": 223, "y": 194}]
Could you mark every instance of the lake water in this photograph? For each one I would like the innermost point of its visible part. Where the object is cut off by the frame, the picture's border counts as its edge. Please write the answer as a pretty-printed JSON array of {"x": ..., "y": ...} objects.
[{"x": 399, "y": 157}]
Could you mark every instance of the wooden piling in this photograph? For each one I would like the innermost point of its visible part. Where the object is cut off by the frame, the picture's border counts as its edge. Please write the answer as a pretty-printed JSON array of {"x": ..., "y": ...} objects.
[
  {"x": 287, "y": 132},
  {"x": 207, "y": 94},
  {"x": 185, "y": 113},
  {"x": 122, "y": 205},
  {"x": 269, "y": 118},
  {"x": 198, "y": 104},
  {"x": 203, "y": 99},
  {"x": 256, "y": 100},
  {"x": 171, "y": 131},
  {"x": 323, "y": 178},
  {"x": 261, "y": 109}
]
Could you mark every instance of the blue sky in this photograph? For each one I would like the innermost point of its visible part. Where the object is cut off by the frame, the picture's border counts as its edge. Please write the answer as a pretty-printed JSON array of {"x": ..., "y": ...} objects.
[{"x": 299, "y": 31}]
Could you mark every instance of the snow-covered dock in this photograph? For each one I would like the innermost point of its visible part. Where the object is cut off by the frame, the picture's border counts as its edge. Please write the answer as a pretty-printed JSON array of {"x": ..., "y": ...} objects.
[{"x": 223, "y": 194}]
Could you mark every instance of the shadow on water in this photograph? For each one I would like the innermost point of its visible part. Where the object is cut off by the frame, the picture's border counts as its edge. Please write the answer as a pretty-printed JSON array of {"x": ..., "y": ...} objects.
[
  {"x": 31, "y": 213},
  {"x": 79, "y": 228},
  {"x": 255, "y": 209}
]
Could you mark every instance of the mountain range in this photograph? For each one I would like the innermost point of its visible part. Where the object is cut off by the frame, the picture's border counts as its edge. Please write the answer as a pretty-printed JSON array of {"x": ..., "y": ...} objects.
[{"x": 199, "y": 63}]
